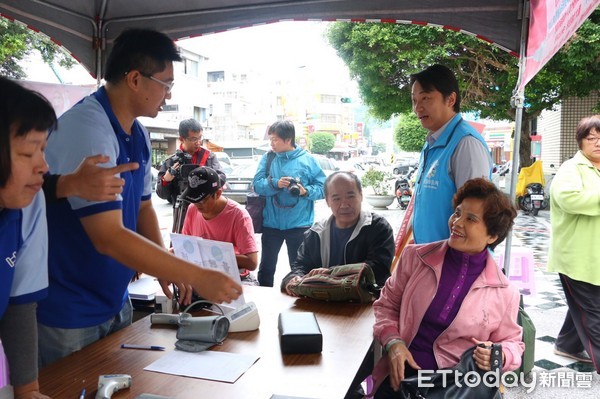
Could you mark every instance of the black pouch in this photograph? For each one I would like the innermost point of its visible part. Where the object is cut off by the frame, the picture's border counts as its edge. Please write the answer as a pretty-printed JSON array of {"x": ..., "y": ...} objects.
[
  {"x": 299, "y": 332},
  {"x": 454, "y": 385}
]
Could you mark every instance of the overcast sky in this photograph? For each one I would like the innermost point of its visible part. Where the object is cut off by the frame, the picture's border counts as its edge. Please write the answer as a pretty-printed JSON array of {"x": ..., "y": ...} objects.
[
  {"x": 278, "y": 46},
  {"x": 281, "y": 47}
]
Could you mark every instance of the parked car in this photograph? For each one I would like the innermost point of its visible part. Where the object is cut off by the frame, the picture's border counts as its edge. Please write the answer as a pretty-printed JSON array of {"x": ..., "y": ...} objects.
[
  {"x": 223, "y": 158},
  {"x": 224, "y": 161},
  {"x": 351, "y": 166},
  {"x": 327, "y": 164},
  {"x": 504, "y": 169},
  {"x": 404, "y": 166},
  {"x": 239, "y": 182},
  {"x": 154, "y": 177}
]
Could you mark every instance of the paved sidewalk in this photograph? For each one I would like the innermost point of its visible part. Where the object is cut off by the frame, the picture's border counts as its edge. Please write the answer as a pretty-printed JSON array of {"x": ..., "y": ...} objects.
[{"x": 555, "y": 376}]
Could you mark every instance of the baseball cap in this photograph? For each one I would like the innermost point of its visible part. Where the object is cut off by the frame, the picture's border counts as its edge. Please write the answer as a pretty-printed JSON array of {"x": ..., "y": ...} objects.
[{"x": 202, "y": 182}]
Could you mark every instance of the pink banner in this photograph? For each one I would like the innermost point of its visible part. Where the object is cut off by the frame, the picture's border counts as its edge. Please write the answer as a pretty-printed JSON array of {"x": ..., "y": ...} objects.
[
  {"x": 552, "y": 23},
  {"x": 62, "y": 97}
]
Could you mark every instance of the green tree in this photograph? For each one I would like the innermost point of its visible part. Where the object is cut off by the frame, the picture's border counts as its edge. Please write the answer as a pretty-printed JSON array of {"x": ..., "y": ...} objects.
[
  {"x": 382, "y": 56},
  {"x": 321, "y": 142},
  {"x": 378, "y": 148},
  {"x": 17, "y": 41},
  {"x": 409, "y": 134}
]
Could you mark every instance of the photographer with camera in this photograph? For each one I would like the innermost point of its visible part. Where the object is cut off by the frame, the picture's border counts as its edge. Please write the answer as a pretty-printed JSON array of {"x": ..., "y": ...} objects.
[
  {"x": 291, "y": 185},
  {"x": 172, "y": 176}
]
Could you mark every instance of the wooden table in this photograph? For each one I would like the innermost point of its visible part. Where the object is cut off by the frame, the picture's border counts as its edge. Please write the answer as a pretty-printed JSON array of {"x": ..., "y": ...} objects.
[{"x": 347, "y": 336}]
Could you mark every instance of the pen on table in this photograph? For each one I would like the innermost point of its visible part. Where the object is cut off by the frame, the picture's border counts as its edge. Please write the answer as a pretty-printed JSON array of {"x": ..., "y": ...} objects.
[
  {"x": 147, "y": 347},
  {"x": 82, "y": 395}
]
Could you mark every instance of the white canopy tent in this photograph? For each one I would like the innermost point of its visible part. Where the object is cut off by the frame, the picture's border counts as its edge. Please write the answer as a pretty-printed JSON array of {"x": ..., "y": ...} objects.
[{"x": 533, "y": 30}]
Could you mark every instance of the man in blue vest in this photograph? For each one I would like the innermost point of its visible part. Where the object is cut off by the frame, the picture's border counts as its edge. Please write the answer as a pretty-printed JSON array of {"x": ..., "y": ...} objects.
[{"x": 453, "y": 152}]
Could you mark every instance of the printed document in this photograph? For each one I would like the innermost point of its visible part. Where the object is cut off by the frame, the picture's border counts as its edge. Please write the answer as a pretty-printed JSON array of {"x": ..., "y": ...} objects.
[{"x": 209, "y": 254}]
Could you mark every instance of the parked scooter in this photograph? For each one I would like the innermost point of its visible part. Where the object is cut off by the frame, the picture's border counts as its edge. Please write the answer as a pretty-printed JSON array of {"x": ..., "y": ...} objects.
[
  {"x": 533, "y": 200},
  {"x": 530, "y": 189},
  {"x": 403, "y": 191}
]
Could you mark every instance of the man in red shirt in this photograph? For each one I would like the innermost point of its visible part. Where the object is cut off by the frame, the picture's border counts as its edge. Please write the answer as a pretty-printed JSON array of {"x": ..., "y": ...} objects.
[{"x": 172, "y": 174}]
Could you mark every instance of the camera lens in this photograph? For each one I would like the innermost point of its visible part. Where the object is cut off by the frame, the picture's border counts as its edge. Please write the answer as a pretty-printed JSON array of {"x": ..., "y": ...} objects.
[{"x": 293, "y": 188}]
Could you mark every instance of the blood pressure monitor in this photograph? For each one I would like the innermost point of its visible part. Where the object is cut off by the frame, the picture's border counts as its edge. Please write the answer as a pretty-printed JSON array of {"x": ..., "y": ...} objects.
[{"x": 244, "y": 318}]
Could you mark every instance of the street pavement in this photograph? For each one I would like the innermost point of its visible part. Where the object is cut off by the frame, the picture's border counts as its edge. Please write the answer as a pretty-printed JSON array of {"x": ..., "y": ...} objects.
[{"x": 553, "y": 376}]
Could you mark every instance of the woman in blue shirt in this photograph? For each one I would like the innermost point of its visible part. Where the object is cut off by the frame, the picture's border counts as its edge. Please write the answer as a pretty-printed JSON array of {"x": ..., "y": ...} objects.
[{"x": 25, "y": 118}]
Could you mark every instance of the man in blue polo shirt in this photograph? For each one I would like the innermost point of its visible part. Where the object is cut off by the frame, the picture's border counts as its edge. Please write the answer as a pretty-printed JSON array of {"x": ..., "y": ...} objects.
[
  {"x": 95, "y": 247},
  {"x": 453, "y": 152}
]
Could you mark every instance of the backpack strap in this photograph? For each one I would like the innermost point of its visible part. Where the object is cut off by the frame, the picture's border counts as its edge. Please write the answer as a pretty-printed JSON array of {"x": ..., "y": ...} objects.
[
  {"x": 204, "y": 158},
  {"x": 270, "y": 156}
]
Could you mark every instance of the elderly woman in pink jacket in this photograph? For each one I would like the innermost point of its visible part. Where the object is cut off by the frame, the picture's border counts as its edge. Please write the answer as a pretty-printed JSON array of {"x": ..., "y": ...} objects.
[{"x": 447, "y": 296}]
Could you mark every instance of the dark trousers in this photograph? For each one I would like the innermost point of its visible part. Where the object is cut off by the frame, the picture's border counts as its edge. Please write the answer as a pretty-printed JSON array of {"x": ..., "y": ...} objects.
[
  {"x": 581, "y": 328},
  {"x": 272, "y": 240}
]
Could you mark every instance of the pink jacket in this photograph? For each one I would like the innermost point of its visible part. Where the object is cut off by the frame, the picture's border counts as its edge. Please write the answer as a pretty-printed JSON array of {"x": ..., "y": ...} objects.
[{"x": 488, "y": 312}]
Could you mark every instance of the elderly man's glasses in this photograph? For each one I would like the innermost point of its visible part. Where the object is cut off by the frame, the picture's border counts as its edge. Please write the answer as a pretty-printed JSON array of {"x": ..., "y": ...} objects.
[
  {"x": 592, "y": 139},
  {"x": 167, "y": 85}
]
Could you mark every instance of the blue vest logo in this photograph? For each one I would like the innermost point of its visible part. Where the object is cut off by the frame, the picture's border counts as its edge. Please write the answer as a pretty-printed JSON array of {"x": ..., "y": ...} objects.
[
  {"x": 431, "y": 172},
  {"x": 12, "y": 260}
]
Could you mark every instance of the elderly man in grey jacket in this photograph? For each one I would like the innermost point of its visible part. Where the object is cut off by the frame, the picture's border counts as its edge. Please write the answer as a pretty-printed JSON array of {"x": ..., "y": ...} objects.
[{"x": 349, "y": 235}]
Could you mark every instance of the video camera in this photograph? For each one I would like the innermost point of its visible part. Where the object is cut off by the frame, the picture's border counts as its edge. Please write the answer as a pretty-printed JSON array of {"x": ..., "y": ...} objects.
[{"x": 185, "y": 166}]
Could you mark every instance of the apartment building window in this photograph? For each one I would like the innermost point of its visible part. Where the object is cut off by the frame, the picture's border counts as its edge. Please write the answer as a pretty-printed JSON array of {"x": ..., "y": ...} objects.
[
  {"x": 328, "y": 118},
  {"x": 218, "y": 76},
  {"x": 190, "y": 67},
  {"x": 327, "y": 99}
]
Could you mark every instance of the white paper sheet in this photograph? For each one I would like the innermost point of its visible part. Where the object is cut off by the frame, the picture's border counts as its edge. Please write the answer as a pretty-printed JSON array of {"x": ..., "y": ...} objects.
[
  {"x": 209, "y": 254},
  {"x": 208, "y": 365}
]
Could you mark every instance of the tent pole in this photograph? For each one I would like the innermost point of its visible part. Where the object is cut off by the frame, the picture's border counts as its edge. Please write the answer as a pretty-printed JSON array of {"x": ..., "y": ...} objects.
[
  {"x": 97, "y": 45},
  {"x": 517, "y": 101}
]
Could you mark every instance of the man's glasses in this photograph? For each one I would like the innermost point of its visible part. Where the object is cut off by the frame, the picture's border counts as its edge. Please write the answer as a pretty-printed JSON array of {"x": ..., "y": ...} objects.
[
  {"x": 193, "y": 139},
  {"x": 592, "y": 139},
  {"x": 167, "y": 85}
]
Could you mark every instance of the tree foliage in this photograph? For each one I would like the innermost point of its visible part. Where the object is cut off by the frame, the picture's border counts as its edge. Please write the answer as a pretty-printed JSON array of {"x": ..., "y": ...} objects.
[
  {"x": 378, "y": 148},
  {"x": 17, "y": 41},
  {"x": 409, "y": 134},
  {"x": 381, "y": 58},
  {"x": 321, "y": 142}
]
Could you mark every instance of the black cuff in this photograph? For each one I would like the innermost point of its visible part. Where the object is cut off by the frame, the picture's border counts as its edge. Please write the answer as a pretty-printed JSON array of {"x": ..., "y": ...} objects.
[{"x": 49, "y": 187}]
